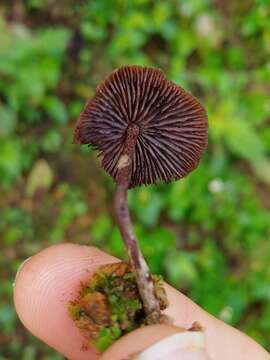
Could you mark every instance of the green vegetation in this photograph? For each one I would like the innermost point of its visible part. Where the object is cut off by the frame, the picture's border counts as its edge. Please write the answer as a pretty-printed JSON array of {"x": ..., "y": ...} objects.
[{"x": 208, "y": 234}]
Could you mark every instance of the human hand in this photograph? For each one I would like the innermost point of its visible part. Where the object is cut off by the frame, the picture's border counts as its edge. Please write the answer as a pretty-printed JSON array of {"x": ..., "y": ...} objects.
[{"x": 47, "y": 282}]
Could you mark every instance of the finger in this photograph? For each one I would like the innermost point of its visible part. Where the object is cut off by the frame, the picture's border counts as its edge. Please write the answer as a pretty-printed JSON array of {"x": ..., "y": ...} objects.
[
  {"x": 43, "y": 288},
  {"x": 50, "y": 279},
  {"x": 223, "y": 342},
  {"x": 138, "y": 340}
]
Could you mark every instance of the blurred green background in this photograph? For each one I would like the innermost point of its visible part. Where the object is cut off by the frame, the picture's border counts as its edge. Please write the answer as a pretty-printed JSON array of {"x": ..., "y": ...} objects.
[{"x": 207, "y": 234}]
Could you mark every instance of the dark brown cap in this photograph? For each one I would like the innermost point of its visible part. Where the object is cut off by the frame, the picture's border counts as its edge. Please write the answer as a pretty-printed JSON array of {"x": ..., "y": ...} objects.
[{"x": 172, "y": 125}]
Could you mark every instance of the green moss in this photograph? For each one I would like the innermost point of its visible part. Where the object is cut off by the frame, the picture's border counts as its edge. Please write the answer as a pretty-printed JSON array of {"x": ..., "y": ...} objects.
[
  {"x": 74, "y": 311},
  {"x": 106, "y": 337},
  {"x": 109, "y": 305}
]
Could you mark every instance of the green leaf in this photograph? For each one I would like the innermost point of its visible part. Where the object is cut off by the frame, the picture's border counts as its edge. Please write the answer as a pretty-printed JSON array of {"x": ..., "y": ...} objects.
[
  {"x": 10, "y": 160},
  {"x": 51, "y": 141},
  {"x": 147, "y": 205},
  {"x": 262, "y": 169},
  {"x": 56, "y": 109},
  {"x": 243, "y": 140},
  {"x": 7, "y": 120},
  {"x": 181, "y": 269}
]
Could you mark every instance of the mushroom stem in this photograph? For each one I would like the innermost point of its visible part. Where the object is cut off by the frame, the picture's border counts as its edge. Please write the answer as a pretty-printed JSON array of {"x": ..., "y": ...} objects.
[
  {"x": 143, "y": 277},
  {"x": 144, "y": 280}
]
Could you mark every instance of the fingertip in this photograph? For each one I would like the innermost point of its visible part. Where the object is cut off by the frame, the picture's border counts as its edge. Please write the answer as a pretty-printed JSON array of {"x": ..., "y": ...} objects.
[{"x": 43, "y": 288}]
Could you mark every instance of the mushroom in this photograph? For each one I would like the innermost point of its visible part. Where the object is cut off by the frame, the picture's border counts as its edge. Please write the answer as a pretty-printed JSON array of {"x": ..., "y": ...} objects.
[{"x": 147, "y": 130}]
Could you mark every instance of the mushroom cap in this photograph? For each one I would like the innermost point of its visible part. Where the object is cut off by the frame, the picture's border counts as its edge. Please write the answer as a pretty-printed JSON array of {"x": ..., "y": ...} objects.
[{"x": 172, "y": 125}]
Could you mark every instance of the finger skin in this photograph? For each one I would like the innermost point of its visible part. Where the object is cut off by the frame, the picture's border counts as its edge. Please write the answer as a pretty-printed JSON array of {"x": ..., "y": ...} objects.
[
  {"x": 43, "y": 289},
  {"x": 138, "y": 340},
  {"x": 49, "y": 280}
]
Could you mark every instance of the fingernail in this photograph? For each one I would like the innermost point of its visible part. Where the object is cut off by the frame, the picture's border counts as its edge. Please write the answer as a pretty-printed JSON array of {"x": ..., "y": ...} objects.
[
  {"x": 20, "y": 269},
  {"x": 187, "y": 345}
]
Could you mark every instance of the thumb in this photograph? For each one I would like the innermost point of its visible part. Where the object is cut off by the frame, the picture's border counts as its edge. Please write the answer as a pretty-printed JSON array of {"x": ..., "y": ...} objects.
[{"x": 158, "y": 342}]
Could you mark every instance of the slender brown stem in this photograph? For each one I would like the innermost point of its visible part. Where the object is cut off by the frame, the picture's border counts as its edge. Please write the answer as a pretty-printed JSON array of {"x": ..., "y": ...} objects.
[{"x": 144, "y": 279}]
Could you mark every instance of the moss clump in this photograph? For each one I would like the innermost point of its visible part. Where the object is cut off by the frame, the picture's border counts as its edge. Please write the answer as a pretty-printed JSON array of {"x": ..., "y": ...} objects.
[{"x": 109, "y": 305}]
